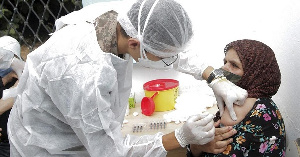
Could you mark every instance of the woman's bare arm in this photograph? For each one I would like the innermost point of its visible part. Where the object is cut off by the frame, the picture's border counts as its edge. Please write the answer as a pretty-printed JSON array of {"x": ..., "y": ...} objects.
[{"x": 6, "y": 104}]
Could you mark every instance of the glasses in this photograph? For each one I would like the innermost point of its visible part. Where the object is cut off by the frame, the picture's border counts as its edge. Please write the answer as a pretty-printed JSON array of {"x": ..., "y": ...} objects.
[{"x": 169, "y": 61}]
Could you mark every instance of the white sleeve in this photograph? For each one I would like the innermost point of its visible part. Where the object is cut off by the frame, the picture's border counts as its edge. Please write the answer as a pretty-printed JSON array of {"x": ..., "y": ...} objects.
[
  {"x": 86, "y": 105},
  {"x": 147, "y": 145},
  {"x": 190, "y": 63}
]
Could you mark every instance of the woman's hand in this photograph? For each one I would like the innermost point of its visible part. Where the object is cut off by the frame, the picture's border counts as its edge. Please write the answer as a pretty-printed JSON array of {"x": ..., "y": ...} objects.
[
  {"x": 9, "y": 77},
  {"x": 219, "y": 144},
  {"x": 0, "y": 131},
  {"x": 11, "y": 92}
]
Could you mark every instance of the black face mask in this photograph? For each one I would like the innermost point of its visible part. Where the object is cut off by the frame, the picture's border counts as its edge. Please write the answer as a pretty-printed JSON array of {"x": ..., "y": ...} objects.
[{"x": 231, "y": 76}]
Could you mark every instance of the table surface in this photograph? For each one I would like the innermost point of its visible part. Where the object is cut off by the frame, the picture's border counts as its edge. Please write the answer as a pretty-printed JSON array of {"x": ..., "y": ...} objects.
[{"x": 148, "y": 125}]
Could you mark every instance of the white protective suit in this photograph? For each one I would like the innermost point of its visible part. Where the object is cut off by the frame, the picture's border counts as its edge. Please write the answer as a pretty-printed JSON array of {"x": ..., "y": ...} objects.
[{"x": 73, "y": 96}]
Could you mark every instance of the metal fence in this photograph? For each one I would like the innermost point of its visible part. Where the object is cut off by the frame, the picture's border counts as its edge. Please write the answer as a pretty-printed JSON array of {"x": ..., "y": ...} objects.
[{"x": 31, "y": 21}]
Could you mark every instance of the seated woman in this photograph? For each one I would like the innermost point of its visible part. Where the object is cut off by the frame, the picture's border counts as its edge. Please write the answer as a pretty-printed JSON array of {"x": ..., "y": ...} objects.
[{"x": 260, "y": 127}]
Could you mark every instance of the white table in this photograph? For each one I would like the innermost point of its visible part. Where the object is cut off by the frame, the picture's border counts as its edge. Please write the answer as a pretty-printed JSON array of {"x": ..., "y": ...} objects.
[{"x": 145, "y": 121}]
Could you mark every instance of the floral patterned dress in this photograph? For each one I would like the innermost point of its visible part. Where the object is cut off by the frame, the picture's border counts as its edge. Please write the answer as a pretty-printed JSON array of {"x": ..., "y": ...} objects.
[{"x": 261, "y": 133}]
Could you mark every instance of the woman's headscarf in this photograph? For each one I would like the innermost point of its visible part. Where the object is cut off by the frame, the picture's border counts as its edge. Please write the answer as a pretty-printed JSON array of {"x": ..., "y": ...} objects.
[{"x": 262, "y": 76}]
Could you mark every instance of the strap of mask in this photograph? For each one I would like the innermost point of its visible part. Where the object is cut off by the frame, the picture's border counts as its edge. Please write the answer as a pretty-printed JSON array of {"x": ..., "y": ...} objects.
[{"x": 140, "y": 35}]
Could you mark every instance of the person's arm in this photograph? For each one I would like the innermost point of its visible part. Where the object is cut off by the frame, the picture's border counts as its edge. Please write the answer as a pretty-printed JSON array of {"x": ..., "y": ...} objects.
[
  {"x": 9, "y": 77},
  {"x": 219, "y": 144},
  {"x": 6, "y": 105},
  {"x": 170, "y": 142},
  {"x": 207, "y": 72},
  {"x": 198, "y": 129},
  {"x": 225, "y": 91}
]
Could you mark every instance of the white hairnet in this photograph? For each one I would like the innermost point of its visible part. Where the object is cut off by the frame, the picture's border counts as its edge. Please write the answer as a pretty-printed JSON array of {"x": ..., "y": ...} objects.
[
  {"x": 162, "y": 26},
  {"x": 10, "y": 44}
]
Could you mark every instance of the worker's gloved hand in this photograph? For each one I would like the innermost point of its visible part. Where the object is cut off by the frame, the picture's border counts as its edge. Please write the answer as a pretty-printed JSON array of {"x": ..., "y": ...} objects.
[
  {"x": 226, "y": 91},
  {"x": 198, "y": 129},
  {"x": 191, "y": 64}
]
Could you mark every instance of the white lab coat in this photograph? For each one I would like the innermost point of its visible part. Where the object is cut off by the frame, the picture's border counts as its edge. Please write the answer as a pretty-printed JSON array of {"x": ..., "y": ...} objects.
[{"x": 72, "y": 100}]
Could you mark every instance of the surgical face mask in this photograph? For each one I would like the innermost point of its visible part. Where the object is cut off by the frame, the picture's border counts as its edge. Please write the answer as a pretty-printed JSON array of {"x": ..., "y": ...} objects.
[
  {"x": 231, "y": 76},
  {"x": 163, "y": 64}
]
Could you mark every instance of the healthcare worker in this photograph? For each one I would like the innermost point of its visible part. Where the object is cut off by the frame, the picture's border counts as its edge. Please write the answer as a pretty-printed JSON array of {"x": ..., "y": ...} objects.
[
  {"x": 74, "y": 89},
  {"x": 10, "y": 60},
  {"x": 9, "y": 48}
]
